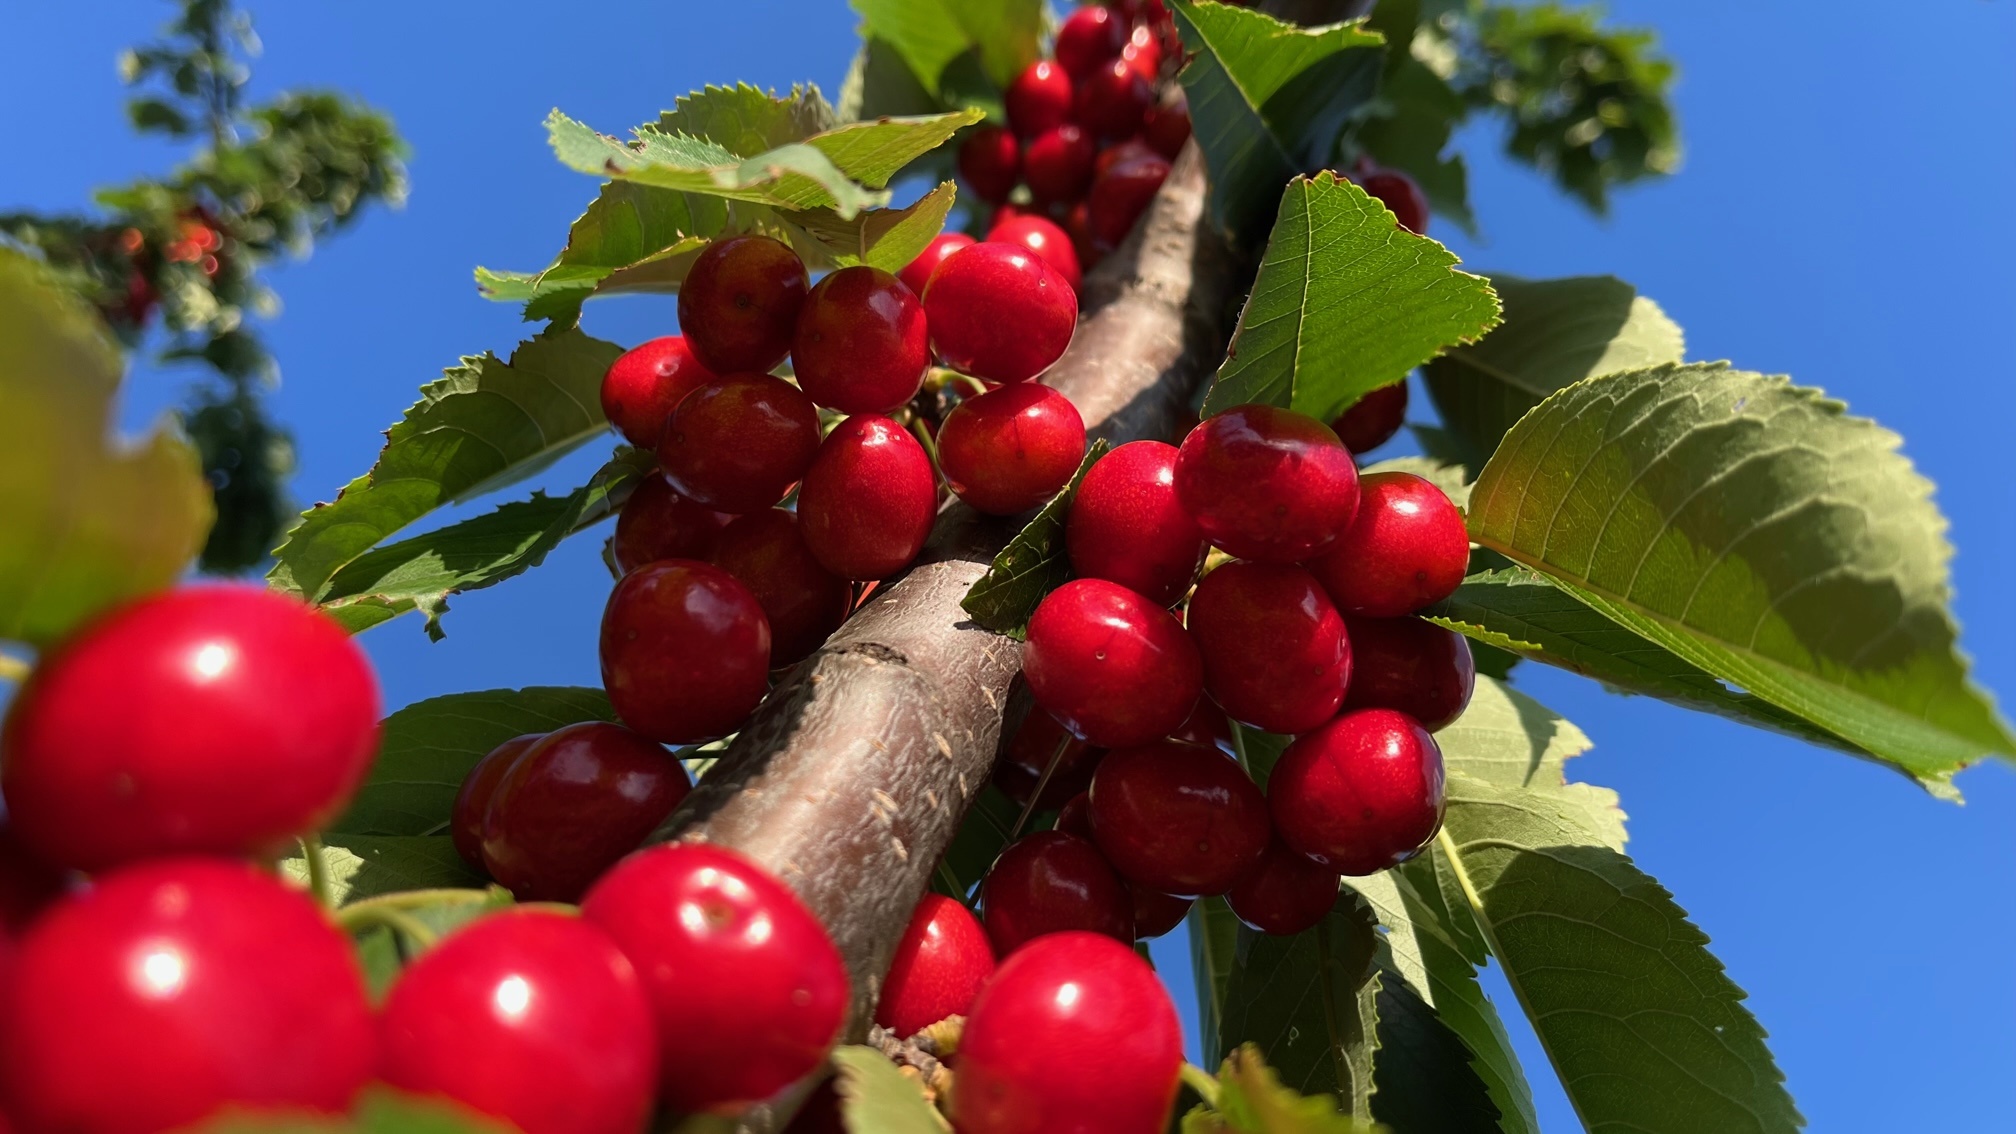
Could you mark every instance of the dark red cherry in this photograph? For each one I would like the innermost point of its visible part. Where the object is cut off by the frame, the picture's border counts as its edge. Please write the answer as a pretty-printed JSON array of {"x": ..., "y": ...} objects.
[
  {"x": 213, "y": 719},
  {"x": 1143, "y": 53},
  {"x": 1030, "y": 750},
  {"x": 1166, "y": 125},
  {"x": 1412, "y": 665},
  {"x": 1360, "y": 794},
  {"x": 1156, "y": 914},
  {"x": 1126, "y": 524},
  {"x": 1111, "y": 102},
  {"x": 658, "y": 523},
  {"x": 739, "y": 303},
  {"x": 572, "y": 804},
  {"x": 1398, "y": 192},
  {"x": 1110, "y": 665},
  {"x": 1284, "y": 895},
  {"x": 940, "y": 965},
  {"x": 1039, "y": 99},
  {"x": 1049, "y": 882},
  {"x": 645, "y": 385},
  {"x": 1274, "y": 650},
  {"x": 869, "y": 500},
  {"x": 1373, "y": 419},
  {"x": 1121, "y": 151},
  {"x": 1058, "y": 164},
  {"x": 861, "y": 346},
  {"x": 1078, "y": 222},
  {"x": 1407, "y": 548},
  {"x": 1206, "y": 727},
  {"x": 685, "y": 651},
  {"x": 1177, "y": 818},
  {"x": 990, "y": 162},
  {"x": 472, "y": 801},
  {"x": 803, "y": 602},
  {"x": 917, "y": 272},
  {"x": 170, "y": 988},
  {"x": 1123, "y": 193},
  {"x": 1089, "y": 37},
  {"x": 1042, "y": 236},
  {"x": 528, "y": 1015},
  {"x": 1012, "y": 448},
  {"x": 1267, "y": 484},
  {"x": 1075, "y": 1035},
  {"x": 998, "y": 312},
  {"x": 739, "y": 443},
  {"x": 746, "y": 988},
  {"x": 1075, "y": 817}
]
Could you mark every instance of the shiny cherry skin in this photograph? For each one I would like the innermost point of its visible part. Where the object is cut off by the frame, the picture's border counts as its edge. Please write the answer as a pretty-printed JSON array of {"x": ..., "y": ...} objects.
[
  {"x": 1029, "y": 751},
  {"x": 1267, "y": 484},
  {"x": 1075, "y": 1035},
  {"x": 739, "y": 303},
  {"x": 1143, "y": 53},
  {"x": 869, "y": 500},
  {"x": 1123, "y": 193},
  {"x": 1166, "y": 127},
  {"x": 998, "y": 312},
  {"x": 1207, "y": 727},
  {"x": 1075, "y": 817},
  {"x": 861, "y": 346},
  {"x": 658, "y": 523},
  {"x": 221, "y": 719},
  {"x": 685, "y": 651},
  {"x": 527, "y": 1015},
  {"x": 1112, "y": 101},
  {"x": 1049, "y": 882},
  {"x": 1275, "y": 653},
  {"x": 940, "y": 965},
  {"x": 1042, "y": 236},
  {"x": 1111, "y": 666},
  {"x": 739, "y": 443},
  {"x": 171, "y": 988},
  {"x": 1407, "y": 548},
  {"x": 472, "y": 800},
  {"x": 1156, "y": 914},
  {"x": 1039, "y": 99},
  {"x": 574, "y": 803},
  {"x": 1078, "y": 222},
  {"x": 747, "y": 990},
  {"x": 1360, "y": 794},
  {"x": 1058, "y": 164},
  {"x": 1398, "y": 192},
  {"x": 645, "y": 384},
  {"x": 990, "y": 162},
  {"x": 1012, "y": 448},
  {"x": 1089, "y": 37},
  {"x": 1121, "y": 151},
  {"x": 1177, "y": 818},
  {"x": 1373, "y": 419},
  {"x": 1127, "y": 526},
  {"x": 803, "y": 601},
  {"x": 917, "y": 272},
  {"x": 1412, "y": 665},
  {"x": 1285, "y": 894}
]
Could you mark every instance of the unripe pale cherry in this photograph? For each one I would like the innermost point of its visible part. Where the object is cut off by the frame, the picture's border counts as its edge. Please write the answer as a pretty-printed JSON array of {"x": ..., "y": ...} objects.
[
  {"x": 1274, "y": 649},
  {"x": 1360, "y": 794},
  {"x": 739, "y": 303},
  {"x": 740, "y": 442},
  {"x": 1405, "y": 549},
  {"x": 1177, "y": 818},
  {"x": 1050, "y": 882},
  {"x": 1123, "y": 193},
  {"x": 1402, "y": 195},
  {"x": 803, "y": 601},
  {"x": 1029, "y": 751},
  {"x": 1110, "y": 665},
  {"x": 941, "y": 963},
  {"x": 1042, "y": 236},
  {"x": 1039, "y": 98},
  {"x": 860, "y": 346},
  {"x": 646, "y": 384},
  {"x": 869, "y": 499},
  {"x": 1088, "y": 38},
  {"x": 990, "y": 161},
  {"x": 472, "y": 800},
  {"x": 1074, "y": 1035},
  {"x": 658, "y": 523},
  {"x": 1111, "y": 102},
  {"x": 1012, "y": 448},
  {"x": 1267, "y": 484},
  {"x": 1155, "y": 913},
  {"x": 1372, "y": 420},
  {"x": 685, "y": 651},
  {"x": 1058, "y": 164},
  {"x": 1127, "y": 526},
  {"x": 998, "y": 312},
  {"x": 1412, "y": 665},
  {"x": 1285, "y": 894},
  {"x": 917, "y": 272}
]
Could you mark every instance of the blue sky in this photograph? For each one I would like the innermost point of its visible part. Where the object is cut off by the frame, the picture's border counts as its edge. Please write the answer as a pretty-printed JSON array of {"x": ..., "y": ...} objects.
[{"x": 1842, "y": 217}]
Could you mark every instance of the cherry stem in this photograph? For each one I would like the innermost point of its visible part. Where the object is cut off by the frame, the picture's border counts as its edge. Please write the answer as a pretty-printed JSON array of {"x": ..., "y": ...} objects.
[
  {"x": 925, "y": 439},
  {"x": 363, "y": 916},
  {"x": 13, "y": 669},
  {"x": 318, "y": 872},
  {"x": 1050, "y": 769},
  {"x": 1239, "y": 746},
  {"x": 951, "y": 881},
  {"x": 1200, "y": 1081},
  {"x": 420, "y": 899}
]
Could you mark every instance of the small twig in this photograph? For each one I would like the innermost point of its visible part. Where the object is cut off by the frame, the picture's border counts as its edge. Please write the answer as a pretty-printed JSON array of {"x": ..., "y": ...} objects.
[
  {"x": 1239, "y": 746},
  {"x": 1050, "y": 769}
]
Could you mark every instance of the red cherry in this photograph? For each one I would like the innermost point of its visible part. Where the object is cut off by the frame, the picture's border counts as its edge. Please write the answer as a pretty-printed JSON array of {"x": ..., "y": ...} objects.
[
  {"x": 1360, "y": 794},
  {"x": 1123, "y": 193},
  {"x": 472, "y": 801},
  {"x": 1156, "y": 914},
  {"x": 1042, "y": 236},
  {"x": 917, "y": 272},
  {"x": 1089, "y": 37},
  {"x": 1012, "y": 448},
  {"x": 1177, "y": 818},
  {"x": 1127, "y": 526},
  {"x": 1373, "y": 419},
  {"x": 216, "y": 719},
  {"x": 1121, "y": 151},
  {"x": 869, "y": 500},
  {"x": 1275, "y": 654},
  {"x": 1075, "y": 817},
  {"x": 1143, "y": 53},
  {"x": 940, "y": 965},
  {"x": 1206, "y": 727},
  {"x": 1412, "y": 665},
  {"x": 747, "y": 990},
  {"x": 739, "y": 303},
  {"x": 861, "y": 345},
  {"x": 1266, "y": 483},
  {"x": 1075, "y": 1035},
  {"x": 646, "y": 384},
  {"x": 1049, "y": 882},
  {"x": 739, "y": 443},
  {"x": 1058, "y": 164},
  {"x": 1078, "y": 222},
  {"x": 803, "y": 601},
  {"x": 990, "y": 162},
  {"x": 685, "y": 651},
  {"x": 1110, "y": 665},
  {"x": 572, "y": 804},
  {"x": 1398, "y": 192},
  {"x": 658, "y": 523},
  {"x": 1029, "y": 752},
  {"x": 1285, "y": 894},
  {"x": 171, "y": 988},
  {"x": 531, "y": 1016},
  {"x": 1166, "y": 125},
  {"x": 1406, "y": 549},
  {"x": 1111, "y": 101},
  {"x": 998, "y": 312},
  {"x": 1039, "y": 99}
]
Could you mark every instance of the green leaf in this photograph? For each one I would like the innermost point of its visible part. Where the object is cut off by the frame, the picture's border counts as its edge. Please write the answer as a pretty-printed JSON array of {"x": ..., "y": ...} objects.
[
  {"x": 1346, "y": 302},
  {"x": 981, "y": 837},
  {"x": 1753, "y": 528},
  {"x": 632, "y": 238},
  {"x": 1310, "y": 1003},
  {"x": 875, "y": 152},
  {"x": 743, "y": 119},
  {"x": 380, "y": 1110},
  {"x": 1452, "y": 478},
  {"x": 880, "y": 84},
  {"x": 1252, "y": 1100},
  {"x": 428, "y": 748},
  {"x": 1506, "y": 737},
  {"x": 876, "y": 1098},
  {"x": 1423, "y": 1078},
  {"x": 793, "y": 176},
  {"x": 484, "y": 425},
  {"x": 928, "y": 35},
  {"x": 1409, "y": 126},
  {"x": 1032, "y": 565},
  {"x": 384, "y": 952},
  {"x": 83, "y": 524},
  {"x": 1214, "y": 949},
  {"x": 880, "y": 238},
  {"x": 365, "y": 866}
]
